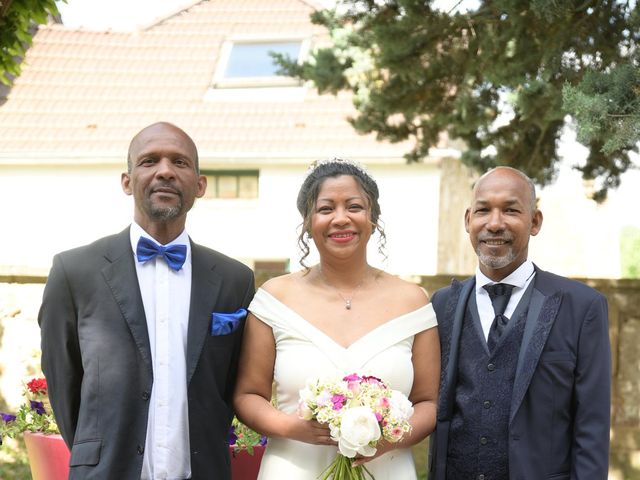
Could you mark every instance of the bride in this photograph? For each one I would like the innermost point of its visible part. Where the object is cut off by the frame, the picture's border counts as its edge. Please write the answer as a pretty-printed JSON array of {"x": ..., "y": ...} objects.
[{"x": 338, "y": 317}]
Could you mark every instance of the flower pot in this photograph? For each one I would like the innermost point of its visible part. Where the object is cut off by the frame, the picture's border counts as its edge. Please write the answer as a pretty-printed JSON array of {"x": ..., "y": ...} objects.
[
  {"x": 48, "y": 456},
  {"x": 245, "y": 466}
]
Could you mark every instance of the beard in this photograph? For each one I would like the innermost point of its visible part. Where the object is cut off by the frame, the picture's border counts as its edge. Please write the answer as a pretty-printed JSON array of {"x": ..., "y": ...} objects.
[
  {"x": 161, "y": 212},
  {"x": 494, "y": 262},
  {"x": 165, "y": 213}
]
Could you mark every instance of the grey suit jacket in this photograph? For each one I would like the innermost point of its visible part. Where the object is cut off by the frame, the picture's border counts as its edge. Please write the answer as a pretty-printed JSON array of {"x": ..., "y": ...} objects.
[
  {"x": 97, "y": 359},
  {"x": 560, "y": 406}
]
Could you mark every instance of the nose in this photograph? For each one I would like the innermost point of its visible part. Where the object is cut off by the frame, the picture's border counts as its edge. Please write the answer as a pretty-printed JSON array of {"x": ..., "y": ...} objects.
[
  {"x": 495, "y": 222},
  {"x": 340, "y": 216},
  {"x": 165, "y": 169}
]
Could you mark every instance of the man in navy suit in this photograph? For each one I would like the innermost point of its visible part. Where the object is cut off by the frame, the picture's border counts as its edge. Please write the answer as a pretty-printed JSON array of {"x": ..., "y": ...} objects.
[
  {"x": 526, "y": 362},
  {"x": 141, "y": 331}
]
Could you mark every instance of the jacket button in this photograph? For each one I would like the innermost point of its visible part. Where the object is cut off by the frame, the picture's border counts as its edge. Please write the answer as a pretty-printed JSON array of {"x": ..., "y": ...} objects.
[
  {"x": 486, "y": 404},
  {"x": 146, "y": 395},
  {"x": 491, "y": 367},
  {"x": 140, "y": 450},
  {"x": 483, "y": 440}
]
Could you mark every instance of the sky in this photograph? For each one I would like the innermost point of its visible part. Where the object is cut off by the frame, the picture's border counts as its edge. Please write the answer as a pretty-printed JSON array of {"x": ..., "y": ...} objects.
[{"x": 123, "y": 15}]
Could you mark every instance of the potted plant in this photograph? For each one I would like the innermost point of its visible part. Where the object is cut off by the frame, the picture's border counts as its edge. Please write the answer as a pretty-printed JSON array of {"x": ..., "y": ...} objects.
[
  {"x": 246, "y": 449},
  {"x": 49, "y": 455},
  {"x": 47, "y": 452}
]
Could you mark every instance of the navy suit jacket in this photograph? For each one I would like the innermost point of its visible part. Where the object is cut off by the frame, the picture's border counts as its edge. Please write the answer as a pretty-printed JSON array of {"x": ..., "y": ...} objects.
[
  {"x": 97, "y": 358},
  {"x": 560, "y": 406}
]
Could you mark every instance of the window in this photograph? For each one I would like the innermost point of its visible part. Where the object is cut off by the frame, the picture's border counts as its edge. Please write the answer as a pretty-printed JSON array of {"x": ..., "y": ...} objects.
[
  {"x": 248, "y": 62},
  {"x": 231, "y": 184},
  {"x": 254, "y": 59}
]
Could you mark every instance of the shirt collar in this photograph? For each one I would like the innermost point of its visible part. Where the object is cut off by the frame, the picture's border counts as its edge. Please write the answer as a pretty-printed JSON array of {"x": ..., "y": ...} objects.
[{"x": 518, "y": 277}]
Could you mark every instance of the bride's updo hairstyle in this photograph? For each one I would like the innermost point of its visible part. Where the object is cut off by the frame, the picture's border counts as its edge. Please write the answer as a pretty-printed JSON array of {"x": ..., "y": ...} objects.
[{"x": 318, "y": 172}]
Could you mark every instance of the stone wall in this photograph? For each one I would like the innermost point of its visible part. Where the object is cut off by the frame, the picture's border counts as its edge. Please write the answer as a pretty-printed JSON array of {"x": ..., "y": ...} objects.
[{"x": 19, "y": 343}]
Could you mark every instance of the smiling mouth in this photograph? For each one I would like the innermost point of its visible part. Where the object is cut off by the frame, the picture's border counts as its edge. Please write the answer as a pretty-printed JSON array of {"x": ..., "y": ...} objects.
[
  {"x": 342, "y": 236},
  {"x": 495, "y": 243}
]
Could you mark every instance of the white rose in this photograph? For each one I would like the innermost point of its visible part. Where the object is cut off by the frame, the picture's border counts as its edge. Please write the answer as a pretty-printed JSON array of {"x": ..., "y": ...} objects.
[
  {"x": 307, "y": 395},
  {"x": 358, "y": 428},
  {"x": 400, "y": 407},
  {"x": 304, "y": 411}
]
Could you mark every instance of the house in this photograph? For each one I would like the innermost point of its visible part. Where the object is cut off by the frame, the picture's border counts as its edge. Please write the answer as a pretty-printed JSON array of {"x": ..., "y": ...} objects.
[
  {"x": 68, "y": 119},
  {"x": 66, "y": 124}
]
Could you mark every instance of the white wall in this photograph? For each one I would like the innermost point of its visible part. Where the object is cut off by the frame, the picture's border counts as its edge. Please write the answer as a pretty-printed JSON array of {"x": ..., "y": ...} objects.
[{"x": 50, "y": 209}]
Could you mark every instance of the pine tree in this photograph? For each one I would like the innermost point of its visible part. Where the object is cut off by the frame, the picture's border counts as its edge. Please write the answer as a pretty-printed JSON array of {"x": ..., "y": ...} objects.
[{"x": 503, "y": 78}]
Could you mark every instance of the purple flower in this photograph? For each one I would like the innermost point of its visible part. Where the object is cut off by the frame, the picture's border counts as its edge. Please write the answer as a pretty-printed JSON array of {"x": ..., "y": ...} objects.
[
  {"x": 233, "y": 438},
  {"x": 38, "y": 407},
  {"x": 263, "y": 440},
  {"x": 7, "y": 417}
]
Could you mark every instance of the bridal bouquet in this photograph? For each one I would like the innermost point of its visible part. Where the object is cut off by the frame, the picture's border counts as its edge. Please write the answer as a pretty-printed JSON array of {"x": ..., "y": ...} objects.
[{"x": 360, "y": 412}]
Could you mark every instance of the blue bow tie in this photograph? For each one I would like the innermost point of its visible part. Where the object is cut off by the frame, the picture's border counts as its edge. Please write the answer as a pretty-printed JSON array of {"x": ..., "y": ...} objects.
[{"x": 174, "y": 255}]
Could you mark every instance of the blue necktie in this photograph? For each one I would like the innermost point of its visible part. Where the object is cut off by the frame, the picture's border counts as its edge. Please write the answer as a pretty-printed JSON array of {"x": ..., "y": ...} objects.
[{"x": 174, "y": 255}]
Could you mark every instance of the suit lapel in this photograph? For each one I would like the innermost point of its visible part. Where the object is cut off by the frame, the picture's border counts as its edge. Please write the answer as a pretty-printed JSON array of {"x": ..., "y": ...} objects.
[
  {"x": 455, "y": 308},
  {"x": 543, "y": 310},
  {"x": 120, "y": 274},
  {"x": 205, "y": 289}
]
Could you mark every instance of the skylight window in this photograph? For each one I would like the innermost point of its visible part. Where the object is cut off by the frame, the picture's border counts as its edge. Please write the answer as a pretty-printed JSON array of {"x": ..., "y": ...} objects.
[
  {"x": 247, "y": 62},
  {"x": 250, "y": 60}
]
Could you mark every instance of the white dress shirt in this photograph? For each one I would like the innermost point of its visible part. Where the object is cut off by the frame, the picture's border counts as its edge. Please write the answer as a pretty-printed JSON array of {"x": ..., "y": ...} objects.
[
  {"x": 166, "y": 295},
  {"x": 521, "y": 278}
]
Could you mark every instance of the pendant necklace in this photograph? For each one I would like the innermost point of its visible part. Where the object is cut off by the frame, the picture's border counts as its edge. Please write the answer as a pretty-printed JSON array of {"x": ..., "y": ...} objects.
[{"x": 347, "y": 300}]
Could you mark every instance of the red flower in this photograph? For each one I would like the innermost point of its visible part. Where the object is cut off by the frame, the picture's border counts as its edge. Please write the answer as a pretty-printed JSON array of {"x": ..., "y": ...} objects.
[{"x": 38, "y": 386}]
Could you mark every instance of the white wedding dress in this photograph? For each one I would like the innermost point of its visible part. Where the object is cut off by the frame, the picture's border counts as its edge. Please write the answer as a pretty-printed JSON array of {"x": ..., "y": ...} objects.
[{"x": 303, "y": 351}]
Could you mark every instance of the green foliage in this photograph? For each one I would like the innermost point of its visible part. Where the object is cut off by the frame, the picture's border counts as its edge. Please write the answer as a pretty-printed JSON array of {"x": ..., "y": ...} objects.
[
  {"x": 630, "y": 252},
  {"x": 34, "y": 415},
  {"x": 243, "y": 438},
  {"x": 17, "y": 19},
  {"x": 416, "y": 72}
]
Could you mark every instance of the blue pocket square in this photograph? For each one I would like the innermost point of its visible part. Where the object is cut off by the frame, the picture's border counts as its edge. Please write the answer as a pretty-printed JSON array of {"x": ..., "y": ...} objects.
[{"x": 226, "y": 323}]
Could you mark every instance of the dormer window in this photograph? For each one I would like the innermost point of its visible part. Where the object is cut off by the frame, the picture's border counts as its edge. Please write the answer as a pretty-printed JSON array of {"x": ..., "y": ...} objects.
[{"x": 246, "y": 71}]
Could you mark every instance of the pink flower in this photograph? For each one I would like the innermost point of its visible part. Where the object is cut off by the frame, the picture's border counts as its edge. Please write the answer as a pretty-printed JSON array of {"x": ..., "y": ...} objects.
[
  {"x": 338, "y": 401},
  {"x": 379, "y": 417},
  {"x": 371, "y": 379},
  {"x": 384, "y": 402},
  {"x": 354, "y": 377}
]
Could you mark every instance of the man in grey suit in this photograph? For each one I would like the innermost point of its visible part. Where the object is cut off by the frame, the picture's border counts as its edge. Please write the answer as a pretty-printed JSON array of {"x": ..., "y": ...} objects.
[
  {"x": 526, "y": 362},
  {"x": 141, "y": 331}
]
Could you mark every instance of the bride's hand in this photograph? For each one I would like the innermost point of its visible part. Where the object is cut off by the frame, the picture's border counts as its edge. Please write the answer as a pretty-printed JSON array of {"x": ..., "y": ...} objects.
[
  {"x": 310, "y": 431},
  {"x": 382, "y": 448}
]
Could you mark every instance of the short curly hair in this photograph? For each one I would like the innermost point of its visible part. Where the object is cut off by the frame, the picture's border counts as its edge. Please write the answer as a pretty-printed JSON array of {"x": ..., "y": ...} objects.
[{"x": 310, "y": 189}]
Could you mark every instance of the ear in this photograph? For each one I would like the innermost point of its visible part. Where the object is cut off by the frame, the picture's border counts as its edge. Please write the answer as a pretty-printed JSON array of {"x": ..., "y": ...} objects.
[
  {"x": 125, "y": 181},
  {"x": 467, "y": 216},
  {"x": 536, "y": 222},
  {"x": 202, "y": 186}
]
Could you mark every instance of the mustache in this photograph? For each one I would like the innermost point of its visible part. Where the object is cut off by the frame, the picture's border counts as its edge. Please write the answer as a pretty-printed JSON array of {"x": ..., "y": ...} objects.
[
  {"x": 168, "y": 186},
  {"x": 508, "y": 237}
]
